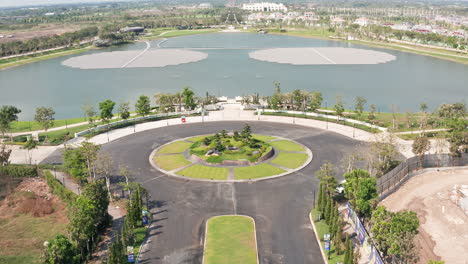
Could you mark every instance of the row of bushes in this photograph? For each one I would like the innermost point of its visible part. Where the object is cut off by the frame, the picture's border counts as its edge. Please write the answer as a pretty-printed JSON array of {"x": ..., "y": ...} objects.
[
  {"x": 18, "y": 171},
  {"x": 58, "y": 189}
]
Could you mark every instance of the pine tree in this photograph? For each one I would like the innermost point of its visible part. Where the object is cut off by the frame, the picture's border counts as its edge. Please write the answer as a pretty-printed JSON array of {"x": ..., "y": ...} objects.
[
  {"x": 319, "y": 201},
  {"x": 324, "y": 200},
  {"x": 337, "y": 241},
  {"x": 328, "y": 210}
]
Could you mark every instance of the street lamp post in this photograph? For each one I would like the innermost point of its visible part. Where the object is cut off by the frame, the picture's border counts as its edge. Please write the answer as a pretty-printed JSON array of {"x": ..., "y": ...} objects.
[{"x": 326, "y": 118}]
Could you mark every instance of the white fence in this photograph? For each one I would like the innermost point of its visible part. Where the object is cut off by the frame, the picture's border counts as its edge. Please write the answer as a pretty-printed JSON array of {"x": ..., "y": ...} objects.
[
  {"x": 134, "y": 120},
  {"x": 337, "y": 118}
]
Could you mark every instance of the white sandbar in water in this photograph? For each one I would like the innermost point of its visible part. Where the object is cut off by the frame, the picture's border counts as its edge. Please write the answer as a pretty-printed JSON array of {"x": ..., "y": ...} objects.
[
  {"x": 321, "y": 56},
  {"x": 119, "y": 59}
]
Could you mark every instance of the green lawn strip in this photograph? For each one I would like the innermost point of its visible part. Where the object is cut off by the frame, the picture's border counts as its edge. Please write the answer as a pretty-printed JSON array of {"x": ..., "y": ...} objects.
[
  {"x": 23, "y": 237},
  {"x": 175, "y": 147},
  {"x": 204, "y": 172},
  {"x": 263, "y": 137},
  {"x": 257, "y": 171},
  {"x": 171, "y": 162},
  {"x": 197, "y": 138},
  {"x": 286, "y": 145},
  {"x": 24, "y": 126},
  {"x": 290, "y": 160},
  {"x": 230, "y": 240},
  {"x": 322, "y": 228}
]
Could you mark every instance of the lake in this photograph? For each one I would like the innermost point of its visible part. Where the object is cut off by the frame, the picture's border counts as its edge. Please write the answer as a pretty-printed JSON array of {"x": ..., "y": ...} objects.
[{"x": 404, "y": 82}]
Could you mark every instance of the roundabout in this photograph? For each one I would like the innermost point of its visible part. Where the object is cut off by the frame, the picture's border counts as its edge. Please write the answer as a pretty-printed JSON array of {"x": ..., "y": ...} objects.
[
  {"x": 181, "y": 206},
  {"x": 230, "y": 157}
]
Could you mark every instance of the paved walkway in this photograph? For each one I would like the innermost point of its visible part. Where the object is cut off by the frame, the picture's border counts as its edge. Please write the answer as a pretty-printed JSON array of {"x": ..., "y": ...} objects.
[{"x": 231, "y": 112}]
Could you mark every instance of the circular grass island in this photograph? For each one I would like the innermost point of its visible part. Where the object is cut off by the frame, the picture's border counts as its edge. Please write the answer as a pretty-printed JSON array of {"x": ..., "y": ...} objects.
[{"x": 230, "y": 157}]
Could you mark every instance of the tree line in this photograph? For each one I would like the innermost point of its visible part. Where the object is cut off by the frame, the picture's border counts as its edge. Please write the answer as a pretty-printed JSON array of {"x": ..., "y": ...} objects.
[{"x": 43, "y": 43}]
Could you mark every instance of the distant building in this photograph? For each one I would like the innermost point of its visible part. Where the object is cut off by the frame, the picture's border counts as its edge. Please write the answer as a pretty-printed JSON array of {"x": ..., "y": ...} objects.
[
  {"x": 205, "y": 6},
  {"x": 362, "y": 21},
  {"x": 265, "y": 7},
  {"x": 132, "y": 29}
]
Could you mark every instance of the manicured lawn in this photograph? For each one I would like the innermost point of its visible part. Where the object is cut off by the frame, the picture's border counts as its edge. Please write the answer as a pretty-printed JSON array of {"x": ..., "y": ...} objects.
[
  {"x": 230, "y": 240},
  {"x": 177, "y": 33},
  {"x": 176, "y": 147},
  {"x": 22, "y": 236},
  {"x": 262, "y": 137},
  {"x": 171, "y": 162},
  {"x": 322, "y": 229},
  {"x": 290, "y": 160},
  {"x": 286, "y": 145},
  {"x": 197, "y": 138},
  {"x": 204, "y": 172},
  {"x": 257, "y": 171},
  {"x": 21, "y": 126}
]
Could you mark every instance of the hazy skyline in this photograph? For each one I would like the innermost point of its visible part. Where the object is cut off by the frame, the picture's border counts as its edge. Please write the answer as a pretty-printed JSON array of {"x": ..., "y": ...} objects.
[{"x": 17, "y": 3}]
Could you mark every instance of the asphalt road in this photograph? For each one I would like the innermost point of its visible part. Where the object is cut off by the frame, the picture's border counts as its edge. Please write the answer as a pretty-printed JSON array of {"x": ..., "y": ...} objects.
[{"x": 279, "y": 206}]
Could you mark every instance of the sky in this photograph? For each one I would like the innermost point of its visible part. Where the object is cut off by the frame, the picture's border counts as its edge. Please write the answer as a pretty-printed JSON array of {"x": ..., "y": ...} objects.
[{"x": 16, "y": 3}]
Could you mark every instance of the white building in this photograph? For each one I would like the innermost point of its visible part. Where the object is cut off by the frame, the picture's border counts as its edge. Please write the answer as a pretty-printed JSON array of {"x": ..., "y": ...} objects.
[
  {"x": 265, "y": 7},
  {"x": 362, "y": 21},
  {"x": 205, "y": 6}
]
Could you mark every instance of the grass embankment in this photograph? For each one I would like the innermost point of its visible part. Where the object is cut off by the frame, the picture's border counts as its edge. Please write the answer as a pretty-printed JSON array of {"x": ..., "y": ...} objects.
[
  {"x": 286, "y": 145},
  {"x": 13, "y": 62},
  {"x": 257, "y": 171},
  {"x": 322, "y": 229},
  {"x": 25, "y": 126},
  {"x": 197, "y": 138},
  {"x": 171, "y": 162},
  {"x": 175, "y": 147},
  {"x": 27, "y": 220},
  {"x": 230, "y": 240},
  {"x": 290, "y": 160},
  {"x": 173, "y": 32},
  {"x": 204, "y": 172}
]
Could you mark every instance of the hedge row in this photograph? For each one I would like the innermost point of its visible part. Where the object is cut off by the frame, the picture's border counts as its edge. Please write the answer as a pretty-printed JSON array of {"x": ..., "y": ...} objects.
[
  {"x": 19, "y": 171},
  {"x": 58, "y": 189}
]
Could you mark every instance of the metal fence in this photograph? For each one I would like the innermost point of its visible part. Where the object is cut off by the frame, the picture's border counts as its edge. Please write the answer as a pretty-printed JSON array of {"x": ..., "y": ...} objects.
[{"x": 391, "y": 181}]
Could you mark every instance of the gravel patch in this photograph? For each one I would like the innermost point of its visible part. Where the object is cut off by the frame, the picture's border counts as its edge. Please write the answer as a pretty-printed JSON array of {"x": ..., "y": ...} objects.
[
  {"x": 151, "y": 58},
  {"x": 321, "y": 56}
]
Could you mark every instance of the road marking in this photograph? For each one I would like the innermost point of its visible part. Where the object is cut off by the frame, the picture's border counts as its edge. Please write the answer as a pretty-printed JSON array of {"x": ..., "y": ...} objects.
[
  {"x": 152, "y": 179},
  {"x": 323, "y": 56}
]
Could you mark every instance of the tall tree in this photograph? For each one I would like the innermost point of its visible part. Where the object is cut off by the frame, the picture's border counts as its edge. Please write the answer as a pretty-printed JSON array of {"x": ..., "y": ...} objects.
[
  {"x": 188, "y": 98},
  {"x": 326, "y": 174},
  {"x": 5, "y": 153},
  {"x": 30, "y": 145},
  {"x": 359, "y": 103},
  {"x": 143, "y": 106},
  {"x": 339, "y": 106},
  {"x": 124, "y": 110},
  {"x": 45, "y": 117},
  {"x": 421, "y": 145},
  {"x": 315, "y": 101},
  {"x": 89, "y": 112},
  {"x": 106, "y": 108},
  {"x": 8, "y": 114}
]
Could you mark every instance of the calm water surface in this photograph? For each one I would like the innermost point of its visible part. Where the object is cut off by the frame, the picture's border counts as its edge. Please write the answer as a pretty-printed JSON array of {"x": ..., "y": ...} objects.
[{"x": 405, "y": 82}]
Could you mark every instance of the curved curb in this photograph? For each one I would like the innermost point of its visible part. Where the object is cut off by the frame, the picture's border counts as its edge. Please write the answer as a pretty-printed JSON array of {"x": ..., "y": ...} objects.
[
  {"x": 324, "y": 256},
  {"x": 206, "y": 231},
  {"x": 172, "y": 174}
]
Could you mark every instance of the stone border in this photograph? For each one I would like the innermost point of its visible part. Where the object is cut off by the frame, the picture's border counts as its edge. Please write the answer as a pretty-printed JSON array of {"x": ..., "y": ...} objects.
[
  {"x": 171, "y": 173},
  {"x": 206, "y": 232}
]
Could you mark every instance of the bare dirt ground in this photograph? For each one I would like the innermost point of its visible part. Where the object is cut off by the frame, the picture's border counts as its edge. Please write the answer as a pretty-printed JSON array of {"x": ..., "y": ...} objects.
[
  {"x": 40, "y": 31},
  {"x": 443, "y": 234}
]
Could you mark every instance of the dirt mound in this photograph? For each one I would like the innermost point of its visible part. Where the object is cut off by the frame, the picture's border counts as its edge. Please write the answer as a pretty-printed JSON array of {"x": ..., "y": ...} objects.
[{"x": 32, "y": 196}]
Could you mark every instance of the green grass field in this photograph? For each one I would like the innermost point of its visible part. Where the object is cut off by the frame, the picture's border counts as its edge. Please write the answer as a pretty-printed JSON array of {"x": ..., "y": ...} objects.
[
  {"x": 286, "y": 145},
  {"x": 22, "y": 237},
  {"x": 197, "y": 138},
  {"x": 204, "y": 172},
  {"x": 230, "y": 240},
  {"x": 290, "y": 160},
  {"x": 175, "y": 147},
  {"x": 257, "y": 171},
  {"x": 322, "y": 228},
  {"x": 263, "y": 137},
  {"x": 22, "y": 126},
  {"x": 171, "y": 162}
]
